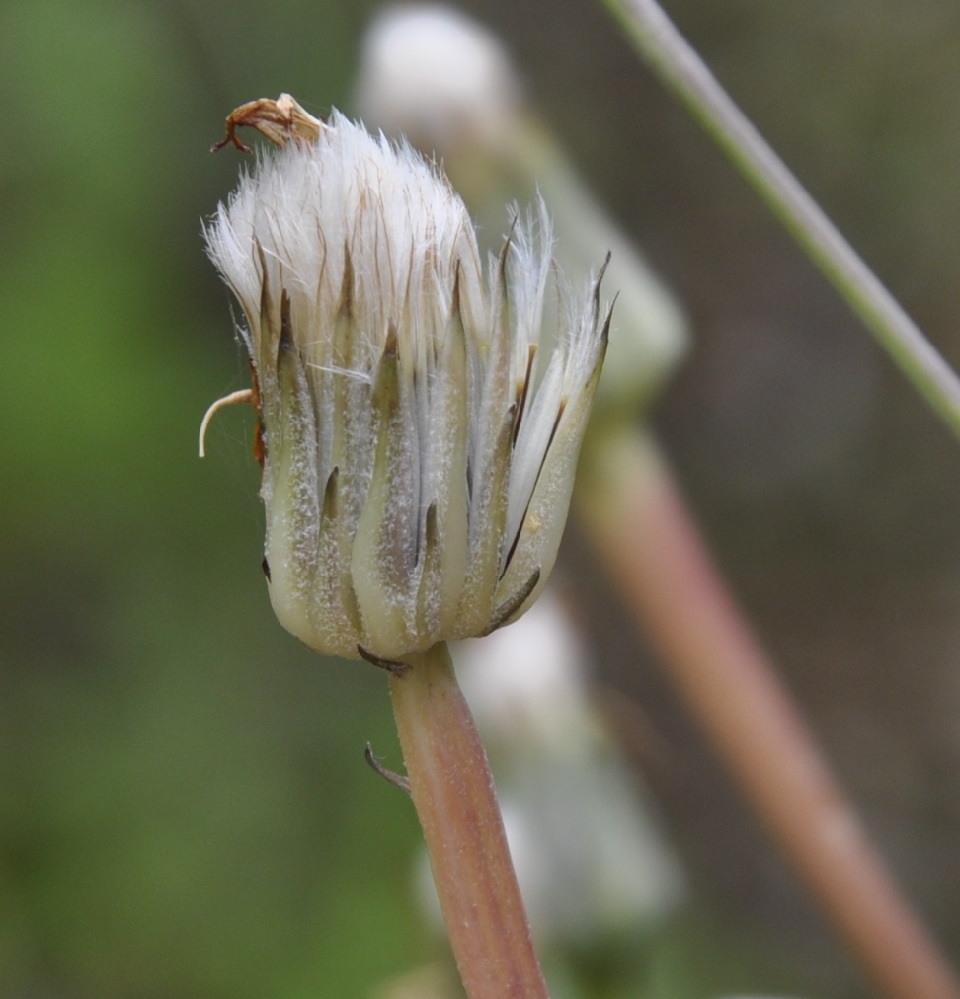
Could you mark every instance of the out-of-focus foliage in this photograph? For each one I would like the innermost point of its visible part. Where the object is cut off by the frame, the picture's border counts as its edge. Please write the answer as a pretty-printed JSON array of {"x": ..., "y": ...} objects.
[{"x": 183, "y": 805}]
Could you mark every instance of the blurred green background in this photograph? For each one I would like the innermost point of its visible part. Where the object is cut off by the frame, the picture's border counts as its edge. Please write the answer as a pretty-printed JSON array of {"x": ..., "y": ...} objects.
[{"x": 184, "y": 808}]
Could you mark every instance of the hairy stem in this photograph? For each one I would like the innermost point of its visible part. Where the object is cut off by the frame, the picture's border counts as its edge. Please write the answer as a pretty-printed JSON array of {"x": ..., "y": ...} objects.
[
  {"x": 688, "y": 78},
  {"x": 453, "y": 792},
  {"x": 639, "y": 523}
]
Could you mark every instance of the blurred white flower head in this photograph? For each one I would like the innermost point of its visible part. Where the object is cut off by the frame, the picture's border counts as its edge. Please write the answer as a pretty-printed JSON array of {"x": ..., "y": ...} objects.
[
  {"x": 435, "y": 75},
  {"x": 526, "y": 684},
  {"x": 418, "y": 454}
]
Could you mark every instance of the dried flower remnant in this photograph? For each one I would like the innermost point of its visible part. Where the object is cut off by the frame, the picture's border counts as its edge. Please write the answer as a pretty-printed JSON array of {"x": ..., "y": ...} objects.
[
  {"x": 279, "y": 121},
  {"x": 418, "y": 460}
]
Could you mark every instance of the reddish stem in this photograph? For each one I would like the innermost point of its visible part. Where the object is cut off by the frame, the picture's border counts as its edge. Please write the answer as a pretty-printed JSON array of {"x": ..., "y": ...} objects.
[
  {"x": 641, "y": 526},
  {"x": 453, "y": 792}
]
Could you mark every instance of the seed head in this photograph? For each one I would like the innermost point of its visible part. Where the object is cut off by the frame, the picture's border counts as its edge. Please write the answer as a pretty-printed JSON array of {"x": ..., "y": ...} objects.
[{"x": 418, "y": 457}]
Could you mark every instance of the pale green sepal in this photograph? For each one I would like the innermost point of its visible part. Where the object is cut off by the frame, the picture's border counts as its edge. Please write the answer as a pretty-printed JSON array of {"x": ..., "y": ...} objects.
[
  {"x": 265, "y": 356},
  {"x": 333, "y": 612},
  {"x": 496, "y": 393},
  {"x": 542, "y": 526},
  {"x": 384, "y": 549},
  {"x": 441, "y": 588},
  {"x": 431, "y": 579},
  {"x": 293, "y": 515},
  {"x": 489, "y": 504}
]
